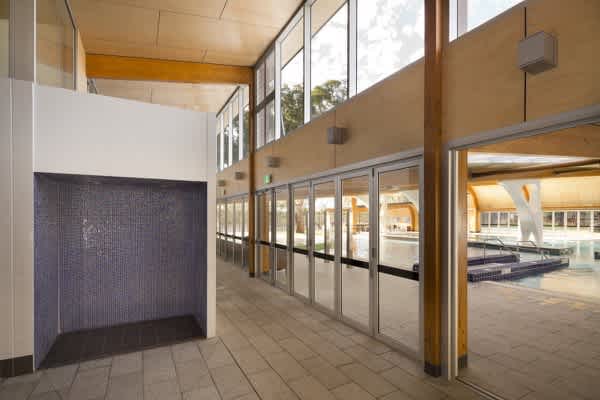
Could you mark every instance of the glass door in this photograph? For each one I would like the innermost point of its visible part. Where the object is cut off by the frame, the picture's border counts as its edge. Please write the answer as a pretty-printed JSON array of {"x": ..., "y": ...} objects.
[
  {"x": 300, "y": 235},
  {"x": 263, "y": 235},
  {"x": 281, "y": 237},
  {"x": 323, "y": 253},
  {"x": 397, "y": 284},
  {"x": 237, "y": 235},
  {"x": 245, "y": 236},
  {"x": 229, "y": 233},
  {"x": 355, "y": 213}
]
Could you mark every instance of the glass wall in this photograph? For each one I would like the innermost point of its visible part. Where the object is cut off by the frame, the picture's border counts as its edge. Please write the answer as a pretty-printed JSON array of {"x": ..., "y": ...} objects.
[
  {"x": 266, "y": 130},
  {"x": 55, "y": 42},
  {"x": 398, "y": 282},
  {"x": 355, "y": 249},
  {"x": 300, "y": 240},
  {"x": 329, "y": 55},
  {"x": 4, "y": 37},
  {"x": 292, "y": 78},
  {"x": 390, "y": 36},
  {"x": 263, "y": 201},
  {"x": 324, "y": 244},
  {"x": 233, "y": 129},
  {"x": 281, "y": 233}
]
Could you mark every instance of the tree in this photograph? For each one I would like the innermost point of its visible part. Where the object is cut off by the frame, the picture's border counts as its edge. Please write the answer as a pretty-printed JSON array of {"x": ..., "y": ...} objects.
[
  {"x": 292, "y": 107},
  {"x": 326, "y": 96}
]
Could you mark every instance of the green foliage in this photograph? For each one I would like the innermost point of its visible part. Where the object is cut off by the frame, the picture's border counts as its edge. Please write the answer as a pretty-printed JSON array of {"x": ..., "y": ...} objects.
[{"x": 326, "y": 96}]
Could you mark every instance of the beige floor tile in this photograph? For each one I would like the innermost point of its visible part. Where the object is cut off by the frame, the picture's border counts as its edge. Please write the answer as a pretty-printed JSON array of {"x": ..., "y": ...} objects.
[
  {"x": 16, "y": 391},
  {"x": 164, "y": 390},
  {"x": 351, "y": 391},
  {"x": 55, "y": 379},
  {"x": 308, "y": 388},
  {"x": 205, "y": 393},
  {"x": 330, "y": 376},
  {"x": 270, "y": 386},
  {"x": 397, "y": 395},
  {"x": 230, "y": 382},
  {"x": 126, "y": 387},
  {"x": 215, "y": 354},
  {"x": 250, "y": 361},
  {"x": 367, "y": 379},
  {"x": 235, "y": 340},
  {"x": 89, "y": 384},
  {"x": 158, "y": 368},
  {"x": 193, "y": 374},
  {"x": 187, "y": 351},
  {"x": 126, "y": 364},
  {"x": 277, "y": 331},
  {"x": 265, "y": 344},
  {"x": 297, "y": 348},
  {"x": 286, "y": 366},
  {"x": 103, "y": 362},
  {"x": 373, "y": 362},
  {"x": 415, "y": 387}
]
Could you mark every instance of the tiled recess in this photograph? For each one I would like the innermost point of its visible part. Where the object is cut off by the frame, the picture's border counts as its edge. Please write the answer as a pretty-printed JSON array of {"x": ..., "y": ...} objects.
[
  {"x": 97, "y": 344},
  {"x": 286, "y": 368}
]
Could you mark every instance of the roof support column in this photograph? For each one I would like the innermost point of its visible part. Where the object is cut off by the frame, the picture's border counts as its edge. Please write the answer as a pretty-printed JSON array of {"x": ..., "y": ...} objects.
[{"x": 436, "y": 36}]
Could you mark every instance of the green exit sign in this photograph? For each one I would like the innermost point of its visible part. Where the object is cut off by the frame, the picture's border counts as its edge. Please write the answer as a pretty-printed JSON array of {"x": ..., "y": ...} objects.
[{"x": 267, "y": 179}]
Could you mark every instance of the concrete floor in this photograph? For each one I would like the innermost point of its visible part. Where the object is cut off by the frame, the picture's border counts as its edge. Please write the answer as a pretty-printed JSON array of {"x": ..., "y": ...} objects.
[{"x": 269, "y": 346}]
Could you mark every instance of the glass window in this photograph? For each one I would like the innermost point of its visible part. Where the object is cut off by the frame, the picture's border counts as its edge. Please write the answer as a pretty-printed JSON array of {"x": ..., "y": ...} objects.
[
  {"x": 246, "y": 118},
  {"x": 324, "y": 247},
  {"x": 503, "y": 219},
  {"x": 4, "y": 38},
  {"x": 260, "y": 129},
  {"x": 292, "y": 79},
  {"x": 494, "y": 219},
  {"x": 55, "y": 41},
  {"x": 559, "y": 219},
  {"x": 235, "y": 129},
  {"x": 485, "y": 218},
  {"x": 514, "y": 219},
  {"x": 300, "y": 238},
  {"x": 572, "y": 219},
  {"x": 260, "y": 83},
  {"x": 270, "y": 73},
  {"x": 281, "y": 233},
  {"x": 270, "y": 125},
  {"x": 548, "y": 219},
  {"x": 226, "y": 131},
  {"x": 391, "y": 34},
  {"x": 480, "y": 11},
  {"x": 585, "y": 219},
  {"x": 596, "y": 221},
  {"x": 218, "y": 142},
  {"x": 329, "y": 55}
]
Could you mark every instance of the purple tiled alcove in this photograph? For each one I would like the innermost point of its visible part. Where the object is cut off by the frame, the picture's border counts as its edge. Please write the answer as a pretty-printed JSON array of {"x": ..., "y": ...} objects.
[{"x": 115, "y": 250}]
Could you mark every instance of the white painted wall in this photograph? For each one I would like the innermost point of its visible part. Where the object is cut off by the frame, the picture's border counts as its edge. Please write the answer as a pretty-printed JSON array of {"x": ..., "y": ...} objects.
[{"x": 80, "y": 133}]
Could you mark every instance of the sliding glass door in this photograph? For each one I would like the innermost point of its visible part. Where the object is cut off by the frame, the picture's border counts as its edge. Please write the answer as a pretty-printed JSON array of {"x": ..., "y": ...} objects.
[
  {"x": 300, "y": 236},
  {"x": 281, "y": 237},
  {"x": 263, "y": 235},
  {"x": 324, "y": 204}
]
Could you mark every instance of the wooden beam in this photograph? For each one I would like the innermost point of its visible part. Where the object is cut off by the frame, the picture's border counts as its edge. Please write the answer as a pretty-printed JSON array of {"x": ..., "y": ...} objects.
[
  {"x": 462, "y": 258},
  {"x": 146, "y": 69},
  {"x": 574, "y": 169},
  {"x": 436, "y": 35}
]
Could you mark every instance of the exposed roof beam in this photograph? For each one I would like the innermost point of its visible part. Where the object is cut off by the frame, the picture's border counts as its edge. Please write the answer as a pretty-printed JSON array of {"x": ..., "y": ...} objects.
[
  {"x": 575, "y": 169},
  {"x": 145, "y": 69}
]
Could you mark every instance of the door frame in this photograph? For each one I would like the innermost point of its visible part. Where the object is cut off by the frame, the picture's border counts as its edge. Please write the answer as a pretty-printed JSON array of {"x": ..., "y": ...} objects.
[
  {"x": 402, "y": 165},
  {"x": 305, "y": 184}
]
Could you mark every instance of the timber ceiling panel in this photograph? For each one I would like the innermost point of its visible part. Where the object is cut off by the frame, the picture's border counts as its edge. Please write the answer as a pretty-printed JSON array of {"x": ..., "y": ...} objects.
[
  {"x": 231, "y": 32},
  {"x": 201, "y": 97}
]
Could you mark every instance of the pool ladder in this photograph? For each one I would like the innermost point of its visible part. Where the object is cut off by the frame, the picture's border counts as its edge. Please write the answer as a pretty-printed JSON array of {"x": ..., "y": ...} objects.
[
  {"x": 502, "y": 248},
  {"x": 540, "y": 251}
]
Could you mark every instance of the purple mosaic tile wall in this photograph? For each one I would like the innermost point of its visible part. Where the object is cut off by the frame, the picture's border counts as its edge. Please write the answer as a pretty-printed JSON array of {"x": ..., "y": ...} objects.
[
  {"x": 128, "y": 250},
  {"x": 46, "y": 277}
]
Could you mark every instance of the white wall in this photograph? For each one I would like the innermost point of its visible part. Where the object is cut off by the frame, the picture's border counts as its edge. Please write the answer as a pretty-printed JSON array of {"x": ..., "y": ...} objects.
[{"x": 80, "y": 133}]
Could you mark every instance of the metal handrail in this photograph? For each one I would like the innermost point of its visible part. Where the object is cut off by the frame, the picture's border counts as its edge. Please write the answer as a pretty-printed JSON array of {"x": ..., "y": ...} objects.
[
  {"x": 502, "y": 246},
  {"x": 540, "y": 251}
]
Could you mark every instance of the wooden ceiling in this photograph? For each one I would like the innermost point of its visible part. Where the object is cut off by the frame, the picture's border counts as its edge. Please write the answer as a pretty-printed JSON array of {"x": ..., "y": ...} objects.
[
  {"x": 230, "y": 32},
  {"x": 202, "y": 97}
]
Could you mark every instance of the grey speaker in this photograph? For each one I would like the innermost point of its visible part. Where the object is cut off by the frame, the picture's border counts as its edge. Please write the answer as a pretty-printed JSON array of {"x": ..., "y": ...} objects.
[
  {"x": 272, "y": 162},
  {"x": 537, "y": 53},
  {"x": 336, "y": 135},
  {"x": 221, "y": 182},
  {"x": 239, "y": 175}
]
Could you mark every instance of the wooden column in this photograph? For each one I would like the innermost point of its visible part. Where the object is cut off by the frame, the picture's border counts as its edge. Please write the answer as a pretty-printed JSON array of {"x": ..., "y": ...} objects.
[
  {"x": 462, "y": 221},
  {"x": 436, "y": 34},
  {"x": 251, "y": 184}
]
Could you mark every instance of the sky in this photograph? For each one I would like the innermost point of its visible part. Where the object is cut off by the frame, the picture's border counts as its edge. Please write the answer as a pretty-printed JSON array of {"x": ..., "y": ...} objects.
[{"x": 390, "y": 36}]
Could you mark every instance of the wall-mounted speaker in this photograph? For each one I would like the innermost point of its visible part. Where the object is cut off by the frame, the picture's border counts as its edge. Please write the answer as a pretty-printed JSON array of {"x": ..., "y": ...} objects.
[
  {"x": 221, "y": 182},
  {"x": 537, "y": 53},
  {"x": 272, "y": 162},
  {"x": 239, "y": 175},
  {"x": 336, "y": 135}
]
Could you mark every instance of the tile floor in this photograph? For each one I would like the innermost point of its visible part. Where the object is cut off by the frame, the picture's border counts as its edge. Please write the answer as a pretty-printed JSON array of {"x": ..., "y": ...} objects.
[{"x": 269, "y": 346}]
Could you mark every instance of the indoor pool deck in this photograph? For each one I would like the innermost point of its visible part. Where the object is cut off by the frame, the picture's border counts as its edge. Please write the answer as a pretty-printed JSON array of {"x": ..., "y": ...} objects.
[{"x": 269, "y": 346}]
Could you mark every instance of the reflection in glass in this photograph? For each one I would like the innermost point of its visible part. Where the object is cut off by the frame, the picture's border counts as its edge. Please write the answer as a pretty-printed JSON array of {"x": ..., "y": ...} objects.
[
  {"x": 246, "y": 122},
  {"x": 55, "y": 43},
  {"x": 270, "y": 73},
  {"x": 355, "y": 245},
  {"x": 235, "y": 130},
  {"x": 399, "y": 248},
  {"x": 572, "y": 219},
  {"x": 391, "y": 35},
  {"x": 281, "y": 230},
  {"x": 585, "y": 219},
  {"x": 548, "y": 219},
  {"x": 329, "y": 54},
  {"x": 292, "y": 79},
  {"x": 4, "y": 38},
  {"x": 226, "y": 132},
  {"x": 559, "y": 219},
  {"x": 270, "y": 128},
  {"x": 260, "y": 129},
  {"x": 264, "y": 234},
  {"x": 260, "y": 83},
  {"x": 300, "y": 236},
  {"x": 596, "y": 221},
  {"x": 324, "y": 228}
]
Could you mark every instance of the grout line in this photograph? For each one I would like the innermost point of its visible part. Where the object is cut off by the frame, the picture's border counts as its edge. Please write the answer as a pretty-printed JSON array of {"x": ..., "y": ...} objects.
[{"x": 223, "y": 10}]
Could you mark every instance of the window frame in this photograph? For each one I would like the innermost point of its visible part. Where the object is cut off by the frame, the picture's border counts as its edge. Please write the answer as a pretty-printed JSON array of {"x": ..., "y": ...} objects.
[{"x": 237, "y": 95}]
